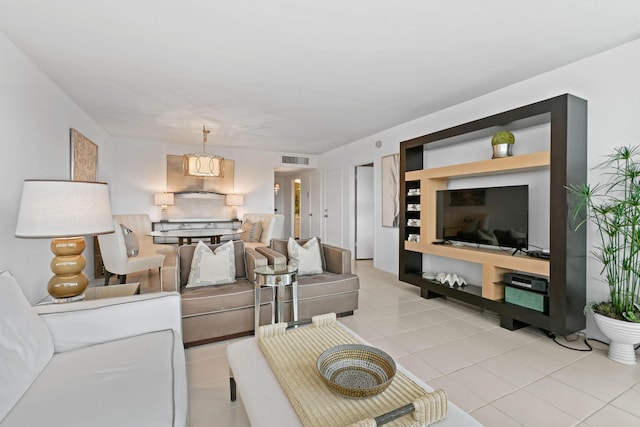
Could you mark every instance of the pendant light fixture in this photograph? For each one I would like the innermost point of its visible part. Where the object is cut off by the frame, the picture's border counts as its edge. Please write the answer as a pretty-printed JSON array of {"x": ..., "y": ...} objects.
[{"x": 202, "y": 165}]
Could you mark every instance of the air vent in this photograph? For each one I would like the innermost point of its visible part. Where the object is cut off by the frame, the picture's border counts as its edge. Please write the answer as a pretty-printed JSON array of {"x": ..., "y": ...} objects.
[{"x": 295, "y": 160}]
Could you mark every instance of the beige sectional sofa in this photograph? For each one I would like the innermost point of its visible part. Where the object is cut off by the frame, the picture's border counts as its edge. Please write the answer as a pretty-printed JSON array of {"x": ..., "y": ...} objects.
[{"x": 212, "y": 313}]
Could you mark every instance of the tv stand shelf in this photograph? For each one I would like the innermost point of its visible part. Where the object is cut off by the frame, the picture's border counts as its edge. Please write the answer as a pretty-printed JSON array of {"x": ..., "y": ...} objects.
[
  {"x": 507, "y": 164},
  {"x": 565, "y": 162}
]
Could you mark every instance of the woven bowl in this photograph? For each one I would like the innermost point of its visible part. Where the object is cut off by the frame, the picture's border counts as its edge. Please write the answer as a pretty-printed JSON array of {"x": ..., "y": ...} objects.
[{"x": 356, "y": 371}]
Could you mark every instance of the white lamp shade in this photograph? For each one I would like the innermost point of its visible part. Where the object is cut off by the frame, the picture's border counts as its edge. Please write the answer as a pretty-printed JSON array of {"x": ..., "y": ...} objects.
[
  {"x": 203, "y": 166},
  {"x": 164, "y": 199},
  {"x": 234, "y": 200},
  {"x": 64, "y": 209}
]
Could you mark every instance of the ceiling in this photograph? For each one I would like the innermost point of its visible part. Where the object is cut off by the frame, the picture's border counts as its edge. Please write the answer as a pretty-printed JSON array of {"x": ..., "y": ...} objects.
[{"x": 297, "y": 76}]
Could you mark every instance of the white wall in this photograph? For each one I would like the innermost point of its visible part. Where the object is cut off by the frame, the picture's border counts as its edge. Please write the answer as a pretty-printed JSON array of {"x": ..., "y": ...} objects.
[
  {"x": 608, "y": 81},
  {"x": 141, "y": 170},
  {"x": 35, "y": 118}
]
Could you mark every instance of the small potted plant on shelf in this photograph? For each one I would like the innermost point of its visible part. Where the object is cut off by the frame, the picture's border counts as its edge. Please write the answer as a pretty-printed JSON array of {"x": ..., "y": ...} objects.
[
  {"x": 502, "y": 143},
  {"x": 613, "y": 206}
]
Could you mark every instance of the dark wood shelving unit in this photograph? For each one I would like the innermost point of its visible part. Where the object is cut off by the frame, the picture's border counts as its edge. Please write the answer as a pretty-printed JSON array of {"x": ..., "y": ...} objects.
[{"x": 566, "y": 162}]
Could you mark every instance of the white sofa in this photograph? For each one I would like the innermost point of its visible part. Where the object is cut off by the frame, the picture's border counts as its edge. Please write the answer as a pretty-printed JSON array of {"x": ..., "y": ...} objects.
[
  {"x": 272, "y": 228},
  {"x": 110, "y": 362}
]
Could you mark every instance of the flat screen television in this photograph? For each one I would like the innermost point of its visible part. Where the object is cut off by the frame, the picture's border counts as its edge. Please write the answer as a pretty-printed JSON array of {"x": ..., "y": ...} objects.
[{"x": 493, "y": 216}]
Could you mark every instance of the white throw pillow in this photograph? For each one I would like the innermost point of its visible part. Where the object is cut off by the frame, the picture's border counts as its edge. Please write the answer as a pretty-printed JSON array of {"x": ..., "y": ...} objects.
[
  {"x": 305, "y": 258},
  {"x": 212, "y": 267},
  {"x": 26, "y": 345}
]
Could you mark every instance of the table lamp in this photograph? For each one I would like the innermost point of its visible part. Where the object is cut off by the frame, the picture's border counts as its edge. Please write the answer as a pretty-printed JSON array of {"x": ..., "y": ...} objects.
[
  {"x": 65, "y": 211},
  {"x": 164, "y": 200},
  {"x": 234, "y": 200}
]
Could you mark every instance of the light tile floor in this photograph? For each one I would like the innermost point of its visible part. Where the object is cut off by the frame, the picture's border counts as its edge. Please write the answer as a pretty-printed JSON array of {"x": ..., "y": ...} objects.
[{"x": 501, "y": 377}]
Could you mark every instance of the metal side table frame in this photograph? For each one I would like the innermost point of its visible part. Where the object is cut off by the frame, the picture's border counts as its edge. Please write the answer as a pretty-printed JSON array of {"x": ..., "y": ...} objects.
[{"x": 276, "y": 277}]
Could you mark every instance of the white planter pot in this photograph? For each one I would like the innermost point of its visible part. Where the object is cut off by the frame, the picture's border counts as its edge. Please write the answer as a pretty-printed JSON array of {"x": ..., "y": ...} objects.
[{"x": 622, "y": 335}]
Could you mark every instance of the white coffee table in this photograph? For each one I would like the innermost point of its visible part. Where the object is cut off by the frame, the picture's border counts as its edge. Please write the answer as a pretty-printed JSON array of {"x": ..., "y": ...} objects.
[{"x": 266, "y": 403}]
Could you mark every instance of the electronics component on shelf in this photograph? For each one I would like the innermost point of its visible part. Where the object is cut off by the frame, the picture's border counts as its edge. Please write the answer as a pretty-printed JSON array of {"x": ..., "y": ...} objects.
[
  {"x": 413, "y": 192},
  {"x": 539, "y": 254},
  {"x": 413, "y": 222},
  {"x": 525, "y": 298},
  {"x": 526, "y": 281},
  {"x": 413, "y": 238}
]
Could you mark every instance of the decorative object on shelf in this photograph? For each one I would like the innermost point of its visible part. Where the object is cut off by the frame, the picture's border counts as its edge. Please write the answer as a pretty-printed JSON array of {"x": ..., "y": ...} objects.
[
  {"x": 451, "y": 280},
  {"x": 413, "y": 192},
  {"x": 613, "y": 206},
  {"x": 84, "y": 158},
  {"x": 164, "y": 200},
  {"x": 356, "y": 371},
  {"x": 429, "y": 275},
  {"x": 502, "y": 143},
  {"x": 203, "y": 165},
  {"x": 234, "y": 200},
  {"x": 413, "y": 238},
  {"x": 65, "y": 211},
  {"x": 413, "y": 207},
  {"x": 391, "y": 191},
  {"x": 412, "y": 222}
]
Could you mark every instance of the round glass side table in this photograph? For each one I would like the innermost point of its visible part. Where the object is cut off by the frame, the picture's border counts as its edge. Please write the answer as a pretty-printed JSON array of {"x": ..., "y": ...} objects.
[{"x": 276, "y": 277}]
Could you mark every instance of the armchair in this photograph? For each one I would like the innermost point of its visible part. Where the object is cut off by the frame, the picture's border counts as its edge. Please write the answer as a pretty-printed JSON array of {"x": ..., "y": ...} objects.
[
  {"x": 61, "y": 363},
  {"x": 140, "y": 224},
  {"x": 115, "y": 260}
]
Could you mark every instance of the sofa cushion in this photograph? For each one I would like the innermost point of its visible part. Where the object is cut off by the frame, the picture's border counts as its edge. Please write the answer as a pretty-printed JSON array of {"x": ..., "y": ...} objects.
[
  {"x": 251, "y": 231},
  {"x": 25, "y": 344},
  {"x": 212, "y": 267},
  {"x": 111, "y": 384},
  {"x": 212, "y": 299},
  {"x": 306, "y": 258},
  {"x": 185, "y": 257},
  {"x": 321, "y": 285}
]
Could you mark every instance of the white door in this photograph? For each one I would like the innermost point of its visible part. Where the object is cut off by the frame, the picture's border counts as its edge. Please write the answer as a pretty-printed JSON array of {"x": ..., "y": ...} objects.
[
  {"x": 315, "y": 215},
  {"x": 332, "y": 214},
  {"x": 364, "y": 212}
]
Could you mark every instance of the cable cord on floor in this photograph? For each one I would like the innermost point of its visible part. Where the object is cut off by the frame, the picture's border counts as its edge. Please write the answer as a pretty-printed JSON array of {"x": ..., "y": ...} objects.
[{"x": 552, "y": 336}]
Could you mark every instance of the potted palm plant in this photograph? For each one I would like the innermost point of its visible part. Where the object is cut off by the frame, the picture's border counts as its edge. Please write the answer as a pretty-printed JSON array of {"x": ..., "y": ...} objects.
[{"x": 613, "y": 206}]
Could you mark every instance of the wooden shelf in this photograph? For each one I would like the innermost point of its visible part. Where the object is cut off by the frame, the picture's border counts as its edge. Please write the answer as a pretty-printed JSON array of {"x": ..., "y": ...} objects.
[
  {"x": 530, "y": 161},
  {"x": 488, "y": 256}
]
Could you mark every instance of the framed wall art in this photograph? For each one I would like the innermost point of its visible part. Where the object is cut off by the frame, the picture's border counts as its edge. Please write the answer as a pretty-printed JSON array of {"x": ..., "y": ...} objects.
[
  {"x": 84, "y": 158},
  {"x": 391, "y": 190}
]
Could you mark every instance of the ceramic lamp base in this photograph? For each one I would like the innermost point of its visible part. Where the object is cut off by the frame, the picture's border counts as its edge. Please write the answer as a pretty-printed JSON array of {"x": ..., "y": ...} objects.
[{"x": 68, "y": 281}]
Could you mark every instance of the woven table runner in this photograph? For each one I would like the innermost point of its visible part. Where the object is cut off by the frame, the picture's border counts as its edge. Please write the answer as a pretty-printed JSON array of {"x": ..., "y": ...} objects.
[{"x": 292, "y": 356}]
